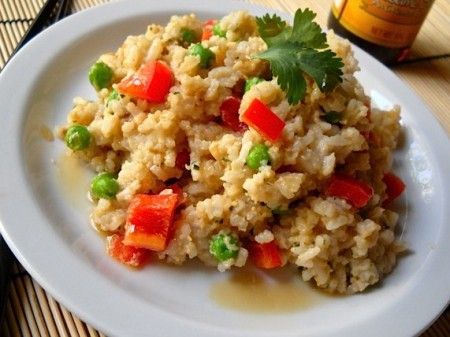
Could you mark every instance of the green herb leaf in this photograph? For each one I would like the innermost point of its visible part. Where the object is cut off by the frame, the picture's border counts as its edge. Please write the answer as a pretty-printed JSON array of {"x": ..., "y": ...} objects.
[
  {"x": 323, "y": 66},
  {"x": 113, "y": 96},
  {"x": 306, "y": 31},
  {"x": 218, "y": 31},
  {"x": 284, "y": 64},
  {"x": 270, "y": 26},
  {"x": 293, "y": 52}
]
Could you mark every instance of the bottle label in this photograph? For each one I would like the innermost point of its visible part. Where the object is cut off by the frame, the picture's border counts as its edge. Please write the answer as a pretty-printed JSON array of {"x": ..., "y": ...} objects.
[{"x": 389, "y": 23}]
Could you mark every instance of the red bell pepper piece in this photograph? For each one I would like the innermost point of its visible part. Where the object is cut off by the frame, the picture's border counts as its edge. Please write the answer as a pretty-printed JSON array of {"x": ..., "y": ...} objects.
[
  {"x": 229, "y": 111},
  {"x": 151, "y": 82},
  {"x": 207, "y": 31},
  {"x": 265, "y": 255},
  {"x": 356, "y": 192},
  {"x": 182, "y": 159},
  {"x": 178, "y": 191},
  {"x": 394, "y": 187},
  {"x": 149, "y": 221},
  {"x": 261, "y": 118},
  {"x": 129, "y": 255}
]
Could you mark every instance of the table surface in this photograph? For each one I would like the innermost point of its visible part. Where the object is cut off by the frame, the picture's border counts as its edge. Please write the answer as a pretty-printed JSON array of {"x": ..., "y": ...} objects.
[{"x": 33, "y": 312}]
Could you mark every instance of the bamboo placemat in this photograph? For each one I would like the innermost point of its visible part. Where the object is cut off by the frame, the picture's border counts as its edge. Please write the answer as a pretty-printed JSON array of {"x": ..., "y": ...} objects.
[{"x": 33, "y": 312}]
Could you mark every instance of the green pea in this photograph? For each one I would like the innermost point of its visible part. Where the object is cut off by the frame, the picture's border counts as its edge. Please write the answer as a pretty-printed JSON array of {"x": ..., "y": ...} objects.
[
  {"x": 188, "y": 36},
  {"x": 332, "y": 117},
  {"x": 100, "y": 75},
  {"x": 104, "y": 186},
  {"x": 205, "y": 54},
  {"x": 223, "y": 247},
  {"x": 218, "y": 31},
  {"x": 77, "y": 137},
  {"x": 251, "y": 82},
  {"x": 113, "y": 96},
  {"x": 258, "y": 156}
]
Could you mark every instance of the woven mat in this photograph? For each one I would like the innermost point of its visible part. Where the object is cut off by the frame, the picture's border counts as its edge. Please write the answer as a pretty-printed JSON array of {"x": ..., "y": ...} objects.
[{"x": 33, "y": 312}]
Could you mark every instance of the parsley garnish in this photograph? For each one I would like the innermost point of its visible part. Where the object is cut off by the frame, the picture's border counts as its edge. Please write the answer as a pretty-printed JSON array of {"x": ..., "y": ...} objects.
[{"x": 294, "y": 51}]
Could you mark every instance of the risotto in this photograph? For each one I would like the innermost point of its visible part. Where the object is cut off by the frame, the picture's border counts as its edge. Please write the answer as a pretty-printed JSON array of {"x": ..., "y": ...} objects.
[{"x": 206, "y": 147}]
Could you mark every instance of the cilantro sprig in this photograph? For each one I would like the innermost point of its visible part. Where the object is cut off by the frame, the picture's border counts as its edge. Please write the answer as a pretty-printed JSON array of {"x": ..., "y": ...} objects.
[
  {"x": 298, "y": 50},
  {"x": 272, "y": 29}
]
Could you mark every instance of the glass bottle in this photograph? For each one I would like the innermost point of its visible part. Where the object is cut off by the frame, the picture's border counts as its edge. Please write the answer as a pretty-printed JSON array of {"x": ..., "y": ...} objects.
[{"x": 384, "y": 28}]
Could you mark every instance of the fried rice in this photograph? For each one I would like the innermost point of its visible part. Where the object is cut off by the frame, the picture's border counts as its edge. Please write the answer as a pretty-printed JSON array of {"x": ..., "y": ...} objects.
[{"x": 336, "y": 246}]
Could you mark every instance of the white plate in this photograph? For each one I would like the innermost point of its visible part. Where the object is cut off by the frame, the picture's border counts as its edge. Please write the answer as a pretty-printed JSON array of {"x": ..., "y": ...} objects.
[{"x": 52, "y": 239}]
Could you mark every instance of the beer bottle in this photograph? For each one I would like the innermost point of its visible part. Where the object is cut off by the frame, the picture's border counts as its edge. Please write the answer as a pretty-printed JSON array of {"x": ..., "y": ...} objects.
[{"x": 384, "y": 28}]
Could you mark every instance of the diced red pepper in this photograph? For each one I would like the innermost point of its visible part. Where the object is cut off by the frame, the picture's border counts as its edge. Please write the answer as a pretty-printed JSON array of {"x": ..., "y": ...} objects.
[
  {"x": 151, "y": 82},
  {"x": 265, "y": 255},
  {"x": 149, "y": 221},
  {"x": 182, "y": 159},
  {"x": 394, "y": 187},
  {"x": 229, "y": 112},
  {"x": 356, "y": 192},
  {"x": 263, "y": 120},
  {"x": 129, "y": 255},
  {"x": 207, "y": 31},
  {"x": 178, "y": 191}
]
